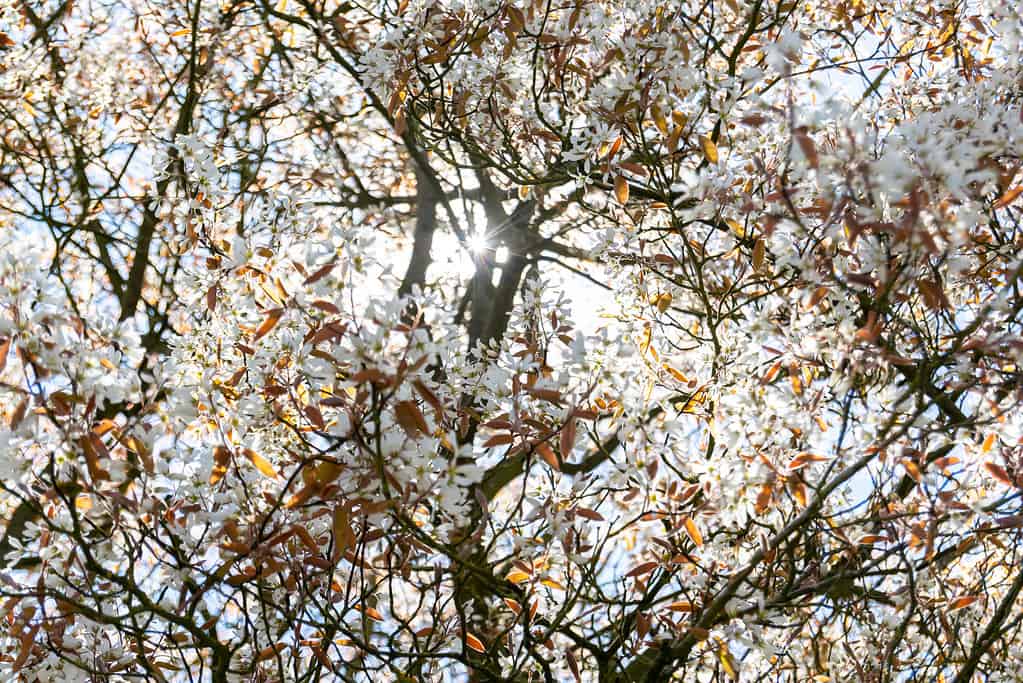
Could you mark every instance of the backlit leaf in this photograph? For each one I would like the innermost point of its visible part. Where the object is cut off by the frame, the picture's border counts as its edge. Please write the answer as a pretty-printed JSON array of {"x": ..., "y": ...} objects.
[
  {"x": 548, "y": 455},
  {"x": 963, "y": 601},
  {"x": 568, "y": 435},
  {"x": 621, "y": 189},
  {"x": 710, "y": 150},
  {"x": 728, "y": 663},
  {"x": 261, "y": 463},
  {"x": 693, "y": 531},
  {"x": 999, "y": 473},
  {"x": 517, "y": 576},
  {"x": 474, "y": 643},
  {"x": 272, "y": 318},
  {"x": 1009, "y": 197},
  {"x": 642, "y": 569},
  {"x": 221, "y": 460},
  {"x": 681, "y": 606}
]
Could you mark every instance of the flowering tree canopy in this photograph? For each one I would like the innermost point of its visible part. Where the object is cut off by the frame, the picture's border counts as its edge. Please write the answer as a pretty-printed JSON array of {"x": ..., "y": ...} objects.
[{"x": 511, "y": 340}]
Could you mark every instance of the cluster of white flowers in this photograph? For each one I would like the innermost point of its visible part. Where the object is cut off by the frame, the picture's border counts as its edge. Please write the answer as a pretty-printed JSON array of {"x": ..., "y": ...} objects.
[{"x": 780, "y": 421}]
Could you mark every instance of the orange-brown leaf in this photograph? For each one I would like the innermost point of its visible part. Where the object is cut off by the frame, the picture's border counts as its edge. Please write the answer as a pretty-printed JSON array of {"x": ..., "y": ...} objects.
[
  {"x": 573, "y": 666},
  {"x": 320, "y": 273},
  {"x": 270, "y": 652},
  {"x": 549, "y": 395},
  {"x": 370, "y": 612},
  {"x": 771, "y": 373},
  {"x": 5, "y": 347},
  {"x": 759, "y": 253},
  {"x": 804, "y": 459},
  {"x": 677, "y": 374},
  {"x": 516, "y": 19},
  {"x": 140, "y": 448},
  {"x": 547, "y": 453},
  {"x": 27, "y": 643},
  {"x": 517, "y": 576},
  {"x": 315, "y": 416},
  {"x": 693, "y": 531},
  {"x": 344, "y": 536},
  {"x": 221, "y": 459},
  {"x": 807, "y": 147},
  {"x": 644, "y": 568},
  {"x": 871, "y": 539},
  {"x": 273, "y": 317},
  {"x": 798, "y": 491},
  {"x": 796, "y": 381},
  {"x": 681, "y": 606},
  {"x": 963, "y": 601},
  {"x": 19, "y": 410},
  {"x": 410, "y": 418},
  {"x": 567, "y": 442},
  {"x": 621, "y": 189},
  {"x": 474, "y": 643},
  {"x": 429, "y": 396},
  {"x": 260, "y": 463},
  {"x": 1009, "y": 197},
  {"x": 95, "y": 451},
  {"x": 498, "y": 440},
  {"x": 307, "y": 538},
  {"x": 999, "y": 473},
  {"x": 301, "y": 497},
  {"x": 325, "y": 306},
  {"x": 104, "y": 426},
  {"x": 816, "y": 297}
]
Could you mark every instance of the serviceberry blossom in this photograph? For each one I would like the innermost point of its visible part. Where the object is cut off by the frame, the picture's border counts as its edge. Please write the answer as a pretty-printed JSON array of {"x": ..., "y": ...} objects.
[{"x": 489, "y": 340}]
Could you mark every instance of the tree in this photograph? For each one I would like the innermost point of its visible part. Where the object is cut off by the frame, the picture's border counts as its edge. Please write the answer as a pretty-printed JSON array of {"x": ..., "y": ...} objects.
[{"x": 510, "y": 341}]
